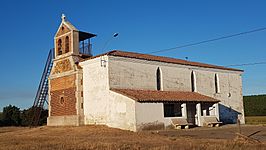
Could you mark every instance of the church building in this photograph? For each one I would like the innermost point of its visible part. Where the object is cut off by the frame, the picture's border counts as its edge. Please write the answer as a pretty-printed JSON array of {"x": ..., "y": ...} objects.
[{"x": 134, "y": 91}]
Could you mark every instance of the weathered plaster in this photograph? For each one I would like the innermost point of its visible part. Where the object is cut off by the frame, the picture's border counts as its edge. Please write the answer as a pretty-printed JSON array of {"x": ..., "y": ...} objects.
[{"x": 132, "y": 73}]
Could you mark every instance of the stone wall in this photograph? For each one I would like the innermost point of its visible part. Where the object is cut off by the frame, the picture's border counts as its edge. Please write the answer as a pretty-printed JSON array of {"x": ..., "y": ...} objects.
[
  {"x": 63, "y": 82},
  {"x": 62, "y": 33},
  {"x": 62, "y": 30},
  {"x": 72, "y": 120}
]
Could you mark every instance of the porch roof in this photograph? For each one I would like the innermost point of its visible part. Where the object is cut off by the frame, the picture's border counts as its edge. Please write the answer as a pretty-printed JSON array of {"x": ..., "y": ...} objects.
[{"x": 164, "y": 96}]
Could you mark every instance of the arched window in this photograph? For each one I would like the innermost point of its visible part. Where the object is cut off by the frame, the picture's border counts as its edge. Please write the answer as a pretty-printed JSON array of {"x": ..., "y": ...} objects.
[
  {"x": 62, "y": 100},
  {"x": 67, "y": 44},
  {"x": 193, "y": 82},
  {"x": 216, "y": 83},
  {"x": 158, "y": 79},
  {"x": 59, "y": 47}
]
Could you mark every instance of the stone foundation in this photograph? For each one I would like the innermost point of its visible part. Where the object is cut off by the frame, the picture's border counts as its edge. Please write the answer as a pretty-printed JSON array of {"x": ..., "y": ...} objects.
[{"x": 63, "y": 121}]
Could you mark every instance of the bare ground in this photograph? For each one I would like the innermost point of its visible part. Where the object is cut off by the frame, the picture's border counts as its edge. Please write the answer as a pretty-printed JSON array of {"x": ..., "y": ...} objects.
[{"x": 101, "y": 137}]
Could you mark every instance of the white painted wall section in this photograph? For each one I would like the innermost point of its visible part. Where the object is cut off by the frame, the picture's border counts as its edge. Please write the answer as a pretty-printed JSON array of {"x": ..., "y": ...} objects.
[
  {"x": 121, "y": 112},
  {"x": 130, "y": 73},
  {"x": 96, "y": 91}
]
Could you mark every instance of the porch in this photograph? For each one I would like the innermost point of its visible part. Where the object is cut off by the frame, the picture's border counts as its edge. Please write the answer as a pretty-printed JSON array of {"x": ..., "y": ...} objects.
[
  {"x": 156, "y": 109},
  {"x": 185, "y": 114}
]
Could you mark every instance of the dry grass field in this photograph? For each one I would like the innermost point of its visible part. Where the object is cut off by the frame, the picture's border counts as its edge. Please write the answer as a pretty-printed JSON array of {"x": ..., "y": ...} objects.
[
  {"x": 101, "y": 137},
  {"x": 256, "y": 120}
]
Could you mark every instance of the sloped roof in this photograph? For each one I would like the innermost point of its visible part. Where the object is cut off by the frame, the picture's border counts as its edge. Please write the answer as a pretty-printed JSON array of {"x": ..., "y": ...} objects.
[
  {"x": 164, "y": 96},
  {"x": 162, "y": 59},
  {"x": 71, "y": 27},
  {"x": 68, "y": 25}
]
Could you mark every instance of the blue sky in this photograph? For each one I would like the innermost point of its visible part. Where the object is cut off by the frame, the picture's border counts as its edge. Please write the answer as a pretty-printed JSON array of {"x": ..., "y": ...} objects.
[{"x": 28, "y": 28}]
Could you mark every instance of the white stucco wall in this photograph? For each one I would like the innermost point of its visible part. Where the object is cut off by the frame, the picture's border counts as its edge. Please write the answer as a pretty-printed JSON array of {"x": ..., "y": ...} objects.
[
  {"x": 121, "y": 112},
  {"x": 102, "y": 106},
  {"x": 132, "y": 73},
  {"x": 149, "y": 115},
  {"x": 95, "y": 91}
]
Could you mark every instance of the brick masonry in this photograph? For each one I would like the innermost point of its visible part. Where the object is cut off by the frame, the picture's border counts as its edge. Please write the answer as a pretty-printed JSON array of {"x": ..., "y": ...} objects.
[
  {"x": 64, "y": 107},
  {"x": 63, "y": 97},
  {"x": 62, "y": 83}
]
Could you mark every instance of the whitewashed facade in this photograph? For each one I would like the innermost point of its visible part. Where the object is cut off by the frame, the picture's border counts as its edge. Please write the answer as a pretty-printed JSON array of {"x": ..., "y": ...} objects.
[{"x": 104, "y": 106}]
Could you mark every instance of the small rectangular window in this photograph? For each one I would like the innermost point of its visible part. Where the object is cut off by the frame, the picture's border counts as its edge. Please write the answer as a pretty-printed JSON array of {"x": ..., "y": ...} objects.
[
  {"x": 81, "y": 82},
  {"x": 81, "y": 105},
  {"x": 81, "y": 93},
  {"x": 172, "y": 110}
]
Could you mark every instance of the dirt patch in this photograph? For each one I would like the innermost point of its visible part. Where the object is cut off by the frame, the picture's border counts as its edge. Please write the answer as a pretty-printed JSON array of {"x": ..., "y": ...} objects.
[{"x": 102, "y": 137}]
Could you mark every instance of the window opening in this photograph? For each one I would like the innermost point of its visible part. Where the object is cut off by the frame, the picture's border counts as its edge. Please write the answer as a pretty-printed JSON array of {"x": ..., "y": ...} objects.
[
  {"x": 67, "y": 44},
  {"x": 216, "y": 82},
  {"x": 193, "y": 82},
  {"x": 158, "y": 79},
  {"x": 172, "y": 110},
  {"x": 62, "y": 100},
  {"x": 59, "y": 47}
]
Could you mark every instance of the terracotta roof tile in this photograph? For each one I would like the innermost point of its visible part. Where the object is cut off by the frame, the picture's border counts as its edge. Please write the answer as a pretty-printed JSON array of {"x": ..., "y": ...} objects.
[
  {"x": 164, "y": 96},
  {"x": 162, "y": 59}
]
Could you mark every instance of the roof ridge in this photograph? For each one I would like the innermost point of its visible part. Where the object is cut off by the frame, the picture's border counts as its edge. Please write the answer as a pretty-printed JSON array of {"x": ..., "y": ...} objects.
[
  {"x": 170, "y": 60},
  {"x": 162, "y": 59},
  {"x": 149, "y": 90}
]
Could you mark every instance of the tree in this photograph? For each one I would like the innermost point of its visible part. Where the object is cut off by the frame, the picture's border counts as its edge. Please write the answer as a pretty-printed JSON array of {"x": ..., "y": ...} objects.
[
  {"x": 27, "y": 115},
  {"x": 1, "y": 122},
  {"x": 11, "y": 116}
]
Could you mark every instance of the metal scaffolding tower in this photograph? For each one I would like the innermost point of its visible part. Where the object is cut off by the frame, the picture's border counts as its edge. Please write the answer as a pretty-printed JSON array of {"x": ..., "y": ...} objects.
[{"x": 42, "y": 92}]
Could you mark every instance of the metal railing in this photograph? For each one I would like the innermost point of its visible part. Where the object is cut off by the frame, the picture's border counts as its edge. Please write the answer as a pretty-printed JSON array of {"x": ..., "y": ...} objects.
[{"x": 85, "y": 48}]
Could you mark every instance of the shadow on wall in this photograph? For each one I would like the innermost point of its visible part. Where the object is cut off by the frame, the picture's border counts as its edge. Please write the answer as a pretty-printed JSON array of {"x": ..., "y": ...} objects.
[
  {"x": 151, "y": 126},
  {"x": 228, "y": 115}
]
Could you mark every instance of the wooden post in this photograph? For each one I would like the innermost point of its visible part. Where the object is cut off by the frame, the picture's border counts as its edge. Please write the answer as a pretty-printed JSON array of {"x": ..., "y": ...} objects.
[{"x": 238, "y": 125}]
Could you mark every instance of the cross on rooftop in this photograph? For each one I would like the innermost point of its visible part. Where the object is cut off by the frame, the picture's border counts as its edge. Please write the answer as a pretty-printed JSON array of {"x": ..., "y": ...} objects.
[{"x": 63, "y": 17}]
